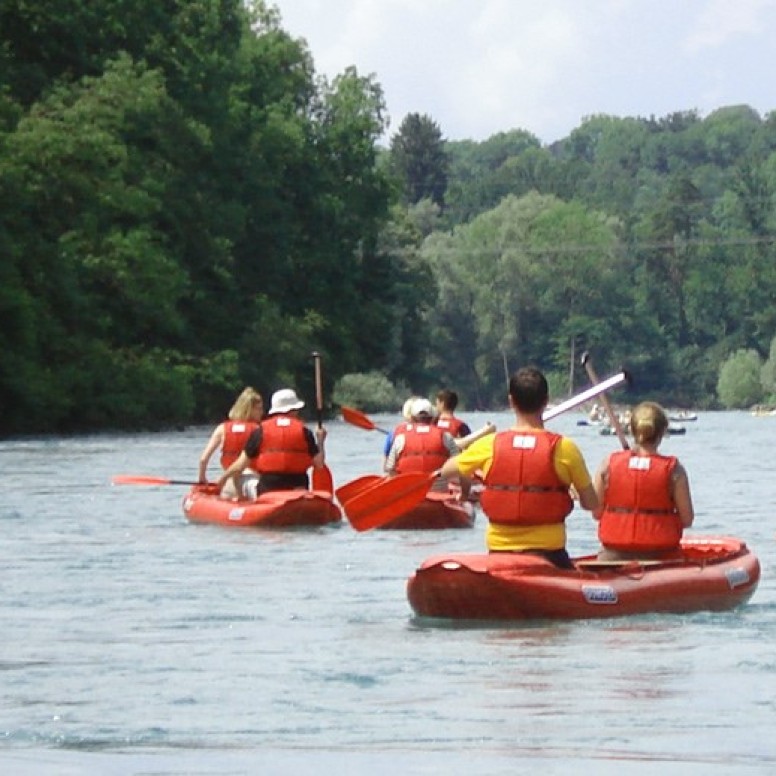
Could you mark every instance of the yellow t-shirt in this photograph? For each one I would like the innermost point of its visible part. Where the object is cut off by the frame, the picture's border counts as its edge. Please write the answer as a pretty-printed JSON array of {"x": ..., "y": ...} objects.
[{"x": 571, "y": 468}]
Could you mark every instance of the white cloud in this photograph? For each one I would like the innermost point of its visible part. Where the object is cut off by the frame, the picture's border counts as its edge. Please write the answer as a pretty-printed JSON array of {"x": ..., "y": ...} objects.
[
  {"x": 478, "y": 67},
  {"x": 721, "y": 20}
]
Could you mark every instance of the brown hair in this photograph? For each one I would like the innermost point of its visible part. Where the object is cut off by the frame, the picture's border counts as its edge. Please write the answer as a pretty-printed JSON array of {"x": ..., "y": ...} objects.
[{"x": 448, "y": 398}]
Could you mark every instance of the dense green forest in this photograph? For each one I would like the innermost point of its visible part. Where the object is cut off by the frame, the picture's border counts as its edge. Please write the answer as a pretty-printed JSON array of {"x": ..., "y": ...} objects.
[{"x": 187, "y": 207}]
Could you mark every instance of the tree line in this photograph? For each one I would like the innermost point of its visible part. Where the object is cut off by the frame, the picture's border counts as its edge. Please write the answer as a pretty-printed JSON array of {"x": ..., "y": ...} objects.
[
  {"x": 187, "y": 207},
  {"x": 647, "y": 241}
]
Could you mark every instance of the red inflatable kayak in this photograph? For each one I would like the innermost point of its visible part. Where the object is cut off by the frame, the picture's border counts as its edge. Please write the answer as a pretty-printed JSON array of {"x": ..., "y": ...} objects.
[
  {"x": 279, "y": 508},
  {"x": 436, "y": 511},
  {"x": 713, "y": 574}
]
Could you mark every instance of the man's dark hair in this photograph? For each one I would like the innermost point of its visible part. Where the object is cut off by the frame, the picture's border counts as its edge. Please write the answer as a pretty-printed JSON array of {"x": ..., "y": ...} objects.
[
  {"x": 448, "y": 398},
  {"x": 528, "y": 389}
]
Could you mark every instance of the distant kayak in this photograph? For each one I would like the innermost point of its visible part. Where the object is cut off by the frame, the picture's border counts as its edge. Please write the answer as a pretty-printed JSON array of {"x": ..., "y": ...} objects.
[
  {"x": 683, "y": 416},
  {"x": 710, "y": 574},
  {"x": 674, "y": 429},
  {"x": 278, "y": 508}
]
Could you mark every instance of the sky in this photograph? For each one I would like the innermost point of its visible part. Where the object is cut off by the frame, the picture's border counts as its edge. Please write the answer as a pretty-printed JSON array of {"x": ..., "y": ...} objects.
[{"x": 479, "y": 67}]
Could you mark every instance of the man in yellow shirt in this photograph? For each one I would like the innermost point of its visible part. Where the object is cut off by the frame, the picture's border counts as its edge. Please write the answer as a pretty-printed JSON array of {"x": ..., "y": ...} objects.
[{"x": 528, "y": 472}]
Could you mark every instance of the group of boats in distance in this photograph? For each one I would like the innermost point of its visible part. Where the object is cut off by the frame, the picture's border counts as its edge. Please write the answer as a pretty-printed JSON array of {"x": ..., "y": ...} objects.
[{"x": 598, "y": 417}]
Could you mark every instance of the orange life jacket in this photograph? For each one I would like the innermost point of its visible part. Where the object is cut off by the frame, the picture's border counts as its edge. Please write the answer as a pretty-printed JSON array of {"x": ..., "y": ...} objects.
[
  {"x": 452, "y": 425},
  {"x": 522, "y": 486},
  {"x": 236, "y": 433},
  {"x": 639, "y": 513},
  {"x": 284, "y": 448},
  {"x": 424, "y": 448}
]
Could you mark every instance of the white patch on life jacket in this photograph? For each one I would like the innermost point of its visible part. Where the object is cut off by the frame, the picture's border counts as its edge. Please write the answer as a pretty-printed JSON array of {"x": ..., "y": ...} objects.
[
  {"x": 238, "y": 427},
  {"x": 283, "y": 421},
  {"x": 443, "y": 423},
  {"x": 639, "y": 463},
  {"x": 423, "y": 429},
  {"x": 524, "y": 442}
]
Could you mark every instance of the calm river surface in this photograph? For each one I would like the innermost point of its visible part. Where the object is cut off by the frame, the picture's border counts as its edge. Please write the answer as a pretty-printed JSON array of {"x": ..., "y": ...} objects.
[{"x": 134, "y": 642}]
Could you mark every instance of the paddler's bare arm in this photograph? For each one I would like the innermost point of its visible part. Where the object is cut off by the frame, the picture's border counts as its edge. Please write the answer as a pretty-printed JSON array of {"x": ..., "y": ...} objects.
[
  {"x": 319, "y": 461},
  {"x": 449, "y": 468},
  {"x": 234, "y": 471}
]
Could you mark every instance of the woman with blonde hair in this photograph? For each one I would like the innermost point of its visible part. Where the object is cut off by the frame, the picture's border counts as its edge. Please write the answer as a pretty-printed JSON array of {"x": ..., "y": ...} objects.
[
  {"x": 231, "y": 436},
  {"x": 645, "y": 496}
]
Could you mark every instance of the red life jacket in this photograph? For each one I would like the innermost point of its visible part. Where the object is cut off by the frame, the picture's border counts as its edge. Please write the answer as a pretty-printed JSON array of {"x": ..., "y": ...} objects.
[
  {"x": 452, "y": 425},
  {"x": 236, "y": 433},
  {"x": 522, "y": 486},
  {"x": 284, "y": 448},
  {"x": 424, "y": 448},
  {"x": 639, "y": 513}
]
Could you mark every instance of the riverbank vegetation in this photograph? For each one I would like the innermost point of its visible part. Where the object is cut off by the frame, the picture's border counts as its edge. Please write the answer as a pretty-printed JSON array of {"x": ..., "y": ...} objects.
[{"x": 188, "y": 207}]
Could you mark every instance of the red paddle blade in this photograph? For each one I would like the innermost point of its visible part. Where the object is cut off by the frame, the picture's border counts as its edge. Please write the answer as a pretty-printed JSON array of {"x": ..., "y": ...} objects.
[
  {"x": 357, "y": 418},
  {"x": 323, "y": 480},
  {"x": 387, "y": 500},
  {"x": 141, "y": 479},
  {"x": 352, "y": 489}
]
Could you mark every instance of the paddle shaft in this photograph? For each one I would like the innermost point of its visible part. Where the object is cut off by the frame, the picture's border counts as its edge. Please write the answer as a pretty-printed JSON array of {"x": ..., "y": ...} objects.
[
  {"x": 590, "y": 393},
  {"x": 322, "y": 478},
  {"x": 141, "y": 479},
  {"x": 318, "y": 388},
  {"x": 613, "y": 419}
]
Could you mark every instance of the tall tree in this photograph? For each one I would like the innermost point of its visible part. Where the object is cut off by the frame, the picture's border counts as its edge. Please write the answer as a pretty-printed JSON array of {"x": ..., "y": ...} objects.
[
  {"x": 518, "y": 274},
  {"x": 419, "y": 160}
]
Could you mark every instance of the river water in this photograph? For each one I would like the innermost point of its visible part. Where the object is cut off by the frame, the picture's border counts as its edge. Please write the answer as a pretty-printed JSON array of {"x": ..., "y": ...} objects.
[{"x": 134, "y": 642}]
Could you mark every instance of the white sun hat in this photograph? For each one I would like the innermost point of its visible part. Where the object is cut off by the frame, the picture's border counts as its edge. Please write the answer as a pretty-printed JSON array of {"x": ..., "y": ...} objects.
[
  {"x": 421, "y": 407},
  {"x": 285, "y": 400}
]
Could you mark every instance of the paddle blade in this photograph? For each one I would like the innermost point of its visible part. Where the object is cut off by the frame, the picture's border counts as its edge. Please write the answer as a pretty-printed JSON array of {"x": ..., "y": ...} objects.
[
  {"x": 140, "y": 479},
  {"x": 323, "y": 480},
  {"x": 357, "y": 418},
  {"x": 352, "y": 489},
  {"x": 387, "y": 500}
]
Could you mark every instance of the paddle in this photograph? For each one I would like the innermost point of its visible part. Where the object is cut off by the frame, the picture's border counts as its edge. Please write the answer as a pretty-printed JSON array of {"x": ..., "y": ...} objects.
[
  {"x": 322, "y": 479},
  {"x": 463, "y": 442},
  {"x": 141, "y": 479},
  {"x": 590, "y": 393},
  {"x": 381, "y": 503},
  {"x": 358, "y": 418},
  {"x": 613, "y": 419},
  {"x": 352, "y": 489}
]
